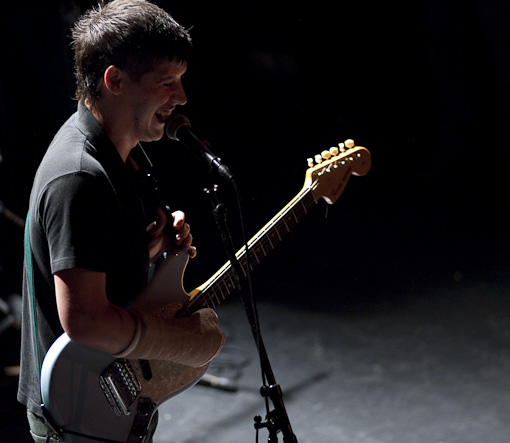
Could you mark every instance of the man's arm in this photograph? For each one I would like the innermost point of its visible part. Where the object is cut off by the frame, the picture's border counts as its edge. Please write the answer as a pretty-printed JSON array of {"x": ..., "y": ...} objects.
[
  {"x": 89, "y": 318},
  {"x": 86, "y": 314}
]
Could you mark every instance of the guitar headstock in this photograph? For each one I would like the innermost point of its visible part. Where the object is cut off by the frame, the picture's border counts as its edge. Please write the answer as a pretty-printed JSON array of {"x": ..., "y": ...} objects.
[{"x": 330, "y": 171}]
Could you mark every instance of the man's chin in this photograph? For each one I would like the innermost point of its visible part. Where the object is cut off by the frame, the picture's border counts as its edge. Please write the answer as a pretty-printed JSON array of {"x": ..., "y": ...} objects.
[{"x": 155, "y": 135}]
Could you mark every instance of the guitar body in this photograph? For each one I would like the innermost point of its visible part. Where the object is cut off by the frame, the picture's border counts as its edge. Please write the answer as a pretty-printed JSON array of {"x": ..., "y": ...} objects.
[
  {"x": 76, "y": 401},
  {"x": 91, "y": 396}
]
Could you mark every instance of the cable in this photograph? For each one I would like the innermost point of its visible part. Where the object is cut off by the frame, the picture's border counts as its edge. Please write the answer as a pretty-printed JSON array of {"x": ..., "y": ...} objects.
[{"x": 250, "y": 295}]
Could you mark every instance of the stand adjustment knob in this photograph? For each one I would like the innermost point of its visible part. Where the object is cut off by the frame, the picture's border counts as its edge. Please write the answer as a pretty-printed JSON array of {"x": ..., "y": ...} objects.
[{"x": 258, "y": 422}]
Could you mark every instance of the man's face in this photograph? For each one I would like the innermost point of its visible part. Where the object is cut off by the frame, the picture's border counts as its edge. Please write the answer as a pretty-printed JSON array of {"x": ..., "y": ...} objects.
[{"x": 152, "y": 99}]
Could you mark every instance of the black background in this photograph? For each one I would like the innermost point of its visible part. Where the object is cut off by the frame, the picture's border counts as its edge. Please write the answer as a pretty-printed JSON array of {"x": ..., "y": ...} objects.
[{"x": 422, "y": 84}]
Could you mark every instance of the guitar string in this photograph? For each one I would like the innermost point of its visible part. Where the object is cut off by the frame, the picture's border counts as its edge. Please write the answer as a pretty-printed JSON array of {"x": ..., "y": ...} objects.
[{"x": 301, "y": 204}]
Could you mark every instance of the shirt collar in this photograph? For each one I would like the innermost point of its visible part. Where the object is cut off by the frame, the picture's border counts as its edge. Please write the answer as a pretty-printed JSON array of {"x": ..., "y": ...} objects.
[{"x": 100, "y": 143}]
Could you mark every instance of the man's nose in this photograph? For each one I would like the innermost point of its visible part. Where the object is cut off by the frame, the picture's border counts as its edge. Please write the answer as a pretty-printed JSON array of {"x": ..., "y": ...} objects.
[{"x": 180, "y": 97}]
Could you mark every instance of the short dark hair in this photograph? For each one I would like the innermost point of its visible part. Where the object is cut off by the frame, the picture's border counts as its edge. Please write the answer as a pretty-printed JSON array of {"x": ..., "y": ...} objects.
[{"x": 131, "y": 34}]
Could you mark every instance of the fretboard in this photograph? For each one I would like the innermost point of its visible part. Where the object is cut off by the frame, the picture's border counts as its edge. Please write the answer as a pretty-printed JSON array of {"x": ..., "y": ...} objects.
[{"x": 220, "y": 285}]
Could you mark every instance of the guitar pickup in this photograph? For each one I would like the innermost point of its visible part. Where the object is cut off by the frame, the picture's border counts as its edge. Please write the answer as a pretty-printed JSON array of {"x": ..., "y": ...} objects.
[{"x": 120, "y": 386}]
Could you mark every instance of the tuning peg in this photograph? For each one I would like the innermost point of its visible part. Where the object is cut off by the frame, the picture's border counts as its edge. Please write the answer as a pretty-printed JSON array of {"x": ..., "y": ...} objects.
[
  {"x": 334, "y": 151},
  {"x": 310, "y": 162},
  {"x": 326, "y": 155},
  {"x": 342, "y": 147},
  {"x": 318, "y": 159},
  {"x": 349, "y": 143}
]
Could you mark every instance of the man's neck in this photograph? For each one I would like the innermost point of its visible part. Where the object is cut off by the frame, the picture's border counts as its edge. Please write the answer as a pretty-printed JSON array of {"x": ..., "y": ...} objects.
[{"x": 114, "y": 129}]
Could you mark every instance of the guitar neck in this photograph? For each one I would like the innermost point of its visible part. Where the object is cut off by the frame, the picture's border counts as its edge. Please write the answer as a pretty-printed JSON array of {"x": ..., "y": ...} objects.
[
  {"x": 326, "y": 180},
  {"x": 220, "y": 285}
]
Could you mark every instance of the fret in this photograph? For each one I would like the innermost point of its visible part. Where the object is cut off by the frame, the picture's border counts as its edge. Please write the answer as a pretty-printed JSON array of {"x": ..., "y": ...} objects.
[
  {"x": 217, "y": 299},
  {"x": 213, "y": 295},
  {"x": 294, "y": 214},
  {"x": 291, "y": 221},
  {"x": 283, "y": 226},
  {"x": 314, "y": 199},
  {"x": 278, "y": 233},
  {"x": 232, "y": 284},
  {"x": 269, "y": 240},
  {"x": 223, "y": 287},
  {"x": 302, "y": 214},
  {"x": 243, "y": 262},
  {"x": 254, "y": 255},
  {"x": 250, "y": 257}
]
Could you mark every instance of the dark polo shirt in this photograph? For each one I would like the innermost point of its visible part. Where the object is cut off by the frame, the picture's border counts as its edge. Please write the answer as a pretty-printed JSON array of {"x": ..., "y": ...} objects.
[{"x": 85, "y": 212}]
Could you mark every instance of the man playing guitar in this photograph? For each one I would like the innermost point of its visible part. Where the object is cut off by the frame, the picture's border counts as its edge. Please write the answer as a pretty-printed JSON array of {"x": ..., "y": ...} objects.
[{"x": 90, "y": 245}]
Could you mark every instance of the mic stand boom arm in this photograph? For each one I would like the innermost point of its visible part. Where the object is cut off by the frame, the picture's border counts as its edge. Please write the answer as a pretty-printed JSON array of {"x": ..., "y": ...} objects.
[{"x": 276, "y": 420}]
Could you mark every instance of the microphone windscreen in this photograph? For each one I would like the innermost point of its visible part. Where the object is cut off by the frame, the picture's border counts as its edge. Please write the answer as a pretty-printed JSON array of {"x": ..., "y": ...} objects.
[{"x": 174, "y": 123}]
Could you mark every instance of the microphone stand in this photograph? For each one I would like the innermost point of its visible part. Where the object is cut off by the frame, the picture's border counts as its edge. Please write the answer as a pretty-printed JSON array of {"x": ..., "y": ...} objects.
[{"x": 277, "y": 419}]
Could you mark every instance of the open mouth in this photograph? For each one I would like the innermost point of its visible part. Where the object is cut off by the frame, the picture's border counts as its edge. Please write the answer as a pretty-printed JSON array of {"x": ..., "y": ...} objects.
[{"x": 163, "y": 115}]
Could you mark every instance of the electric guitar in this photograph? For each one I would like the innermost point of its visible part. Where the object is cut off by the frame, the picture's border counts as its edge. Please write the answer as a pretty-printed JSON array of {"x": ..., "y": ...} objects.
[{"x": 90, "y": 396}]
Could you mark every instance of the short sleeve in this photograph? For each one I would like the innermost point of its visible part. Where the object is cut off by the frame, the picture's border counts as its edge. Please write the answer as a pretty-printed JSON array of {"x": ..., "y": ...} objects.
[{"x": 76, "y": 212}]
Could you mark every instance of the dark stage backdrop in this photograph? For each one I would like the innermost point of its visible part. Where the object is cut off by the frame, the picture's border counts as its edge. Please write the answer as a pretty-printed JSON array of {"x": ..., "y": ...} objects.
[{"x": 422, "y": 84}]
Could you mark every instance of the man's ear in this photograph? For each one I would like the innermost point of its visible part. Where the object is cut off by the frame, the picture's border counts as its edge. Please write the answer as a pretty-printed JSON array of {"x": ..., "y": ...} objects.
[{"x": 113, "y": 79}]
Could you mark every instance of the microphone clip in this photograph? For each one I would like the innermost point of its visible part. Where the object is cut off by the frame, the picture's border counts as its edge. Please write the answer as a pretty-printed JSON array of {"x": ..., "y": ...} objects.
[{"x": 215, "y": 163}]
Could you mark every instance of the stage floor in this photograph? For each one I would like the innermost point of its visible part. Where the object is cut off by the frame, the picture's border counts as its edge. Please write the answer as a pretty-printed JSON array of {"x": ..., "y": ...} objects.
[
  {"x": 432, "y": 367},
  {"x": 435, "y": 370}
]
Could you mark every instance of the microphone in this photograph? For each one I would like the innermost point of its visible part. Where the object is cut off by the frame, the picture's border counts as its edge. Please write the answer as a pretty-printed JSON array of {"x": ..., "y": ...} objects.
[{"x": 178, "y": 127}]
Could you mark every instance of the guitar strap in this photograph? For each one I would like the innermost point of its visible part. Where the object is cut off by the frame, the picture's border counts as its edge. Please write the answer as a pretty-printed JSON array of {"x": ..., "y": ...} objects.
[
  {"x": 30, "y": 283},
  {"x": 31, "y": 293}
]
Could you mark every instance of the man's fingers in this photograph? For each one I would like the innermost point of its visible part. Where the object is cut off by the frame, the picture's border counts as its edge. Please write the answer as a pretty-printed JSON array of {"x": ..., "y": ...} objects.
[
  {"x": 183, "y": 235},
  {"x": 183, "y": 238},
  {"x": 178, "y": 219},
  {"x": 192, "y": 251}
]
